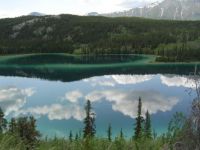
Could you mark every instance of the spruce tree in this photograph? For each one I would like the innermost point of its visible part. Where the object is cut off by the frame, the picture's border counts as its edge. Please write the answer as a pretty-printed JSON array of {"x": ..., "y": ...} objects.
[
  {"x": 121, "y": 134},
  {"x": 76, "y": 137},
  {"x": 148, "y": 131},
  {"x": 89, "y": 121},
  {"x": 26, "y": 128},
  {"x": 109, "y": 133},
  {"x": 70, "y": 136},
  {"x": 12, "y": 125},
  {"x": 139, "y": 120},
  {"x": 3, "y": 121}
]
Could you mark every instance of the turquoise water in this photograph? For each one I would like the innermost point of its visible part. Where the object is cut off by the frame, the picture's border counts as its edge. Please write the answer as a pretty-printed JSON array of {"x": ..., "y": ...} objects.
[
  {"x": 35, "y": 59},
  {"x": 56, "y": 95}
]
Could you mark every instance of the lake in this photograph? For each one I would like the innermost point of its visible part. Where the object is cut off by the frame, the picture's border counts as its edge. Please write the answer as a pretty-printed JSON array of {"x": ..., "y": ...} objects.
[{"x": 56, "y": 93}]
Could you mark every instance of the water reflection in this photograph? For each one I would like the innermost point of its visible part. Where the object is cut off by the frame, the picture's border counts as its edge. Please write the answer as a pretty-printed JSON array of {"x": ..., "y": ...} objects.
[
  {"x": 12, "y": 99},
  {"x": 71, "y": 59},
  {"x": 126, "y": 101},
  {"x": 58, "y": 105},
  {"x": 112, "y": 80},
  {"x": 56, "y": 111},
  {"x": 178, "y": 81},
  {"x": 67, "y": 73}
]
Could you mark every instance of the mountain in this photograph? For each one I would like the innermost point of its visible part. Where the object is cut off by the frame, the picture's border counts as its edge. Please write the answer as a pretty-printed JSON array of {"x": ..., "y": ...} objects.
[
  {"x": 36, "y": 14},
  {"x": 167, "y": 9},
  {"x": 93, "y": 14}
]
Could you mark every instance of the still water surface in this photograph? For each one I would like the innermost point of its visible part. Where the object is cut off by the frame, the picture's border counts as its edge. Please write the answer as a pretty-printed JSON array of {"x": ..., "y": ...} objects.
[{"x": 58, "y": 104}]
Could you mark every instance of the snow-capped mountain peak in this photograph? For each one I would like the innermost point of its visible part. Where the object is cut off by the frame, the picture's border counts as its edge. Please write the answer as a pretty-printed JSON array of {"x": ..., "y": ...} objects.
[{"x": 166, "y": 9}]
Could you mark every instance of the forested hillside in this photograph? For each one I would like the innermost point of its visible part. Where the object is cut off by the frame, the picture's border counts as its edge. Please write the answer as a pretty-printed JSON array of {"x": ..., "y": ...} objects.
[{"x": 94, "y": 35}]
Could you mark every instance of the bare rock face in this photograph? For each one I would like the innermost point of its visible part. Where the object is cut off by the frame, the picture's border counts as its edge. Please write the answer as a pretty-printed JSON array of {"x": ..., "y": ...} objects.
[{"x": 167, "y": 9}]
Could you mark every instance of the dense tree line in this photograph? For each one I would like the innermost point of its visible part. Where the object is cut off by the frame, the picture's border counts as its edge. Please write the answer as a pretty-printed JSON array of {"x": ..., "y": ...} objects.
[
  {"x": 91, "y": 35},
  {"x": 23, "y": 128},
  {"x": 182, "y": 133},
  {"x": 183, "y": 50}
]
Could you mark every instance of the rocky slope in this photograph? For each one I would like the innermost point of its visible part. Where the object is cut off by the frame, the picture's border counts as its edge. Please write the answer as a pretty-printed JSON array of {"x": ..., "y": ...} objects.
[{"x": 167, "y": 9}]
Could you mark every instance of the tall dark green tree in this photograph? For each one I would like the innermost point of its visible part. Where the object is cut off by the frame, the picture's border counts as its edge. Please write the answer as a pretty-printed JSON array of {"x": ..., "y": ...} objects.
[
  {"x": 139, "y": 121},
  {"x": 3, "y": 121},
  {"x": 70, "y": 136},
  {"x": 147, "y": 126},
  {"x": 76, "y": 137},
  {"x": 109, "y": 133},
  {"x": 121, "y": 134},
  {"x": 12, "y": 126},
  {"x": 26, "y": 128},
  {"x": 89, "y": 121}
]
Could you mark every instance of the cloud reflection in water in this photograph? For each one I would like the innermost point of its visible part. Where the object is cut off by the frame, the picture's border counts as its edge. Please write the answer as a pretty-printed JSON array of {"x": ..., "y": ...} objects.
[
  {"x": 12, "y": 99},
  {"x": 125, "y": 101}
]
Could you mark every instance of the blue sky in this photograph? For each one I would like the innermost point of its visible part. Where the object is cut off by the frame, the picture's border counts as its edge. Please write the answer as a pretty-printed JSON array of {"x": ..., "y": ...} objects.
[{"x": 12, "y": 8}]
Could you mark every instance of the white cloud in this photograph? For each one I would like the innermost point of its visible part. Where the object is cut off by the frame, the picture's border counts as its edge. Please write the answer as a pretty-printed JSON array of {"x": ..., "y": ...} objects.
[
  {"x": 101, "y": 81},
  {"x": 177, "y": 81},
  {"x": 107, "y": 83},
  {"x": 73, "y": 96},
  {"x": 131, "y": 79},
  {"x": 57, "y": 111},
  {"x": 126, "y": 101},
  {"x": 12, "y": 98},
  {"x": 112, "y": 80}
]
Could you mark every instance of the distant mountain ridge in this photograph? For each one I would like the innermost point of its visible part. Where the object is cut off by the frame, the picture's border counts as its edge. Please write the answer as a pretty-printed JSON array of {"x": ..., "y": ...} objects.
[
  {"x": 36, "y": 14},
  {"x": 167, "y": 9},
  {"x": 93, "y": 14}
]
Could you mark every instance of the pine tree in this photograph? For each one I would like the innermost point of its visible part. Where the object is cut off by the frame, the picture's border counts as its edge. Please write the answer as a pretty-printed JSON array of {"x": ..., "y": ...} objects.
[
  {"x": 70, "y": 136},
  {"x": 33, "y": 132},
  {"x": 26, "y": 128},
  {"x": 148, "y": 131},
  {"x": 109, "y": 133},
  {"x": 76, "y": 137},
  {"x": 12, "y": 125},
  {"x": 121, "y": 134},
  {"x": 89, "y": 121},
  {"x": 3, "y": 121},
  {"x": 139, "y": 120}
]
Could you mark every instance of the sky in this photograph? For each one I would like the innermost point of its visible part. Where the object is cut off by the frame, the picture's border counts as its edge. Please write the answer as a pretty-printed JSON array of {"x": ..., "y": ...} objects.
[{"x": 13, "y": 8}]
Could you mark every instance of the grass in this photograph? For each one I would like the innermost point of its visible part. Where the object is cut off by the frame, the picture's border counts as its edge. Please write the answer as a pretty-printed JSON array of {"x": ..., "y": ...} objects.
[{"x": 10, "y": 142}]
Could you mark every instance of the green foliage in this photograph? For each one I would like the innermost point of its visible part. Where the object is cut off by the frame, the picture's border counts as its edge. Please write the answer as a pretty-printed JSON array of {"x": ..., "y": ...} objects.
[
  {"x": 70, "y": 136},
  {"x": 175, "y": 128},
  {"x": 180, "y": 51},
  {"x": 89, "y": 121},
  {"x": 3, "y": 121},
  {"x": 139, "y": 121},
  {"x": 12, "y": 126},
  {"x": 26, "y": 130},
  {"x": 147, "y": 126},
  {"x": 11, "y": 142},
  {"x": 22, "y": 134},
  {"x": 109, "y": 133},
  {"x": 91, "y": 35},
  {"x": 121, "y": 135}
]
